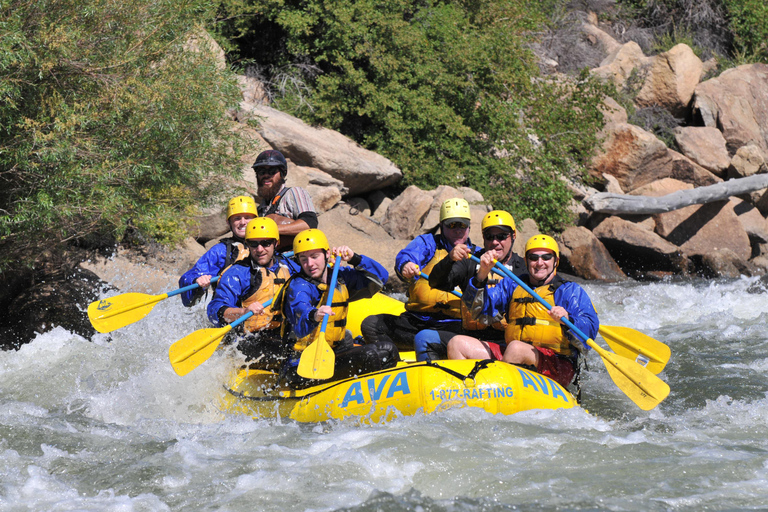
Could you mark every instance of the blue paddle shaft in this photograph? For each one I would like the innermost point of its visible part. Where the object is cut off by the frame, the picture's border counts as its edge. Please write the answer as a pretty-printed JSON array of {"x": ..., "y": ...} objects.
[
  {"x": 248, "y": 315},
  {"x": 331, "y": 290},
  {"x": 536, "y": 296},
  {"x": 190, "y": 287}
]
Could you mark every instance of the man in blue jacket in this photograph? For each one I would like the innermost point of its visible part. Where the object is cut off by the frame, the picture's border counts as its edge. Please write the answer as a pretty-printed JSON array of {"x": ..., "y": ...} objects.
[
  {"x": 456, "y": 270},
  {"x": 247, "y": 285},
  {"x": 534, "y": 336},
  {"x": 427, "y": 307},
  {"x": 240, "y": 211},
  {"x": 305, "y": 306}
]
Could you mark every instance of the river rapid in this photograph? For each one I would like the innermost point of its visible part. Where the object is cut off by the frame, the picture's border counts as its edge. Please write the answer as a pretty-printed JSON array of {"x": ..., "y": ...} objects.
[{"x": 104, "y": 424}]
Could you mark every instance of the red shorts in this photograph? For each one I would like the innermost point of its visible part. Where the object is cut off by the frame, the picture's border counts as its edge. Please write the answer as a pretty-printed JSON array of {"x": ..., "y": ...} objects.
[
  {"x": 495, "y": 350},
  {"x": 558, "y": 368}
]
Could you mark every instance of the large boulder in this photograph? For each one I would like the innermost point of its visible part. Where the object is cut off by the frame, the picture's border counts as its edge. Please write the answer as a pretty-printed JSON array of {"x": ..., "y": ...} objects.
[
  {"x": 671, "y": 80},
  {"x": 57, "y": 301},
  {"x": 722, "y": 262},
  {"x": 747, "y": 161},
  {"x": 525, "y": 230},
  {"x": 361, "y": 170},
  {"x": 753, "y": 222},
  {"x": 146, "y": 272},
  {"x": 638, "y": 250},
  {"x": 343, "y": 225},
  {"x": 636, "y": 157},
  {"x": 619, "y": 65},
  {"x": 584, "y": 255},
  {"x": 405, "y": 215},
  {"x": 700, "y": 229},
  {"x": 626, "y": 150},
  {"x": 704, "y": 145},
  {"x": 736, "y": 102}
]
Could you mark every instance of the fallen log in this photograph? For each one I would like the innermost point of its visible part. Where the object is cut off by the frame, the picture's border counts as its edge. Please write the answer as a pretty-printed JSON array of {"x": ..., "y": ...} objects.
[{"x": 624, "y": 204}]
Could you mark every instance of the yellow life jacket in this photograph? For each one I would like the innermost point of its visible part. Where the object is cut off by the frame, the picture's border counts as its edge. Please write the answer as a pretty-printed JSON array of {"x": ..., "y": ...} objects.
[
  {"x": 422, "y": 298},
  {"x": 337, "y": 324},
  {"x": 236, "y": 251},
  {"x": 529, "y": 321},
  {"x": 470, "y": 324},
  {"x": 266, "y": 285}
]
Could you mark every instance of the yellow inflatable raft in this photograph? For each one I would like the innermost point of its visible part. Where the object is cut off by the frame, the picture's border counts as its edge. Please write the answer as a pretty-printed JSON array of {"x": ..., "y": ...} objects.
[
  {"x": 407, "y": 389},
  {"x": 376, "y": 305}
]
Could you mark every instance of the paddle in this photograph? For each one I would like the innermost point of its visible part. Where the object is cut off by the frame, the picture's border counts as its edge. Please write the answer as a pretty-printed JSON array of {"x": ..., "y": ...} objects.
[
  {"x": 644, "y": 388},
  {"x": 627, "y": 342},
  {"x": 318, "y": 360},
  {"x": 110, "y": 314},
  {"x": 196, "y": 348}
]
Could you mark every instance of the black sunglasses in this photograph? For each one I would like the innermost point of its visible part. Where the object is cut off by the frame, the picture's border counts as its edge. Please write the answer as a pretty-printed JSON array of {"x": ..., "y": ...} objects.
[
  {"x": 498, "y": 236},
  {"x": 535, "y": 257},
  {"x": 456, "y": 225},
  {"x": 266, "y": 171},
  {"x": 260, "y": 243}
]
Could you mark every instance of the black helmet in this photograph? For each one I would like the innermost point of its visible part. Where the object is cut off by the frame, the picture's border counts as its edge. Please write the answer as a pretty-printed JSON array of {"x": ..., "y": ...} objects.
[{"x": 271, "y": 158}]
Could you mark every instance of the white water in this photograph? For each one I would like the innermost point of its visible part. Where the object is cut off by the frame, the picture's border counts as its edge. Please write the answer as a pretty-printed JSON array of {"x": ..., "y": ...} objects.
[{"x": 105, "y": 424}]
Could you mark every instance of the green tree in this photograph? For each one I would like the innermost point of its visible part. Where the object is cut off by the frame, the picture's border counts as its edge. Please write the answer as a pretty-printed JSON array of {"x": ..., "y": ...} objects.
[
  {"x": 749, "y": 23},
  {"x": 107, "y": 122},
  {"x": 448, "y": 90}
]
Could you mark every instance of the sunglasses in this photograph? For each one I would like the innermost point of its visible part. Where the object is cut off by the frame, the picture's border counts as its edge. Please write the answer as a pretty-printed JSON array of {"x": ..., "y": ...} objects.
[
  {"x": 498, "y": 236},
  {"x": 456, "y": 225},
  {"x": 266, "y": 171},
  {"x": 260, "y": 243},
  {"x": 535, "y": 257}
]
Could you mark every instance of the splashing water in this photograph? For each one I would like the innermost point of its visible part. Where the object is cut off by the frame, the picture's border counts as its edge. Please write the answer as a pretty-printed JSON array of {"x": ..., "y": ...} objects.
[{"x": 105, "y": 424}]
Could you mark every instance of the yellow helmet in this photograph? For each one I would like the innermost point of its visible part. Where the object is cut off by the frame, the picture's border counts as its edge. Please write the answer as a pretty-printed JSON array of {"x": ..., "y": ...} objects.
[
  {"x": 498, "y": 218},
  {"x": 262, "y": 227},
  {"x": 456, "y": 208},
  {"x": 542, "y": 242},
  {"x": 241, "y": 204},
  {"x": 310, "y": 239}
]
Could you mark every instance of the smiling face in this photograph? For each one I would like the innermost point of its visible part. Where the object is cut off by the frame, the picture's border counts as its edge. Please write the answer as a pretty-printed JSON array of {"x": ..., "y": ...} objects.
[
  {"x": 262, "y": 250},
  {"x": 313, "y": 263},
  {"x": 238, "y": 223},
  {"x": 498, "y": 240},
  {"x": 540, "y": 269},
  {"x": 269, "y": 180}
]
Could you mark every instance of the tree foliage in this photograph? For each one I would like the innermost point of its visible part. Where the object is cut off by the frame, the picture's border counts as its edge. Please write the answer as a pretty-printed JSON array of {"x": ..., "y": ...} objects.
[
  {"x": 106, "y": 122},
  {"x": 448, "y": 90}
]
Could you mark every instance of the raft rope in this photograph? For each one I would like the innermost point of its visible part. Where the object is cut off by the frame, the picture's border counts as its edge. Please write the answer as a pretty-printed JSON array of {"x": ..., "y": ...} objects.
[{"x": 477, "y": 368}]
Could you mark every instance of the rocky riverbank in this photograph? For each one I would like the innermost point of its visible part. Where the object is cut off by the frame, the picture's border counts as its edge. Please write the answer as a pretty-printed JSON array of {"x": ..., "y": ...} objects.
[{"x": 698, "y": 227}]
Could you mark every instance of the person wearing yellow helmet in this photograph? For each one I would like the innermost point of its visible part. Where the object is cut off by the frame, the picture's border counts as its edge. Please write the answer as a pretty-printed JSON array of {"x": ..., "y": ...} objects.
[
  {"x": 240, "y": 210},
  {"x": 456, "y": 270},
  {"x": 290, "y": 207},
  {"x": 426, "y": 307},
  {"x": 534, "y": 337},
  {"x": 247, "y": 285},
  {"x": 304, "y": 305}
]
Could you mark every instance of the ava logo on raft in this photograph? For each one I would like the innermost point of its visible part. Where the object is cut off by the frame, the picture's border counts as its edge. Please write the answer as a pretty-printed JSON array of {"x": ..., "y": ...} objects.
[{"x": 399, "y": 385}]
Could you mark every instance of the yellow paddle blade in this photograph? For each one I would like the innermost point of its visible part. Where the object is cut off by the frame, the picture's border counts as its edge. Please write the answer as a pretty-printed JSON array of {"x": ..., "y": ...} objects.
[
  {"x": 194, "y": 349},
  {"x": 637, "y": 382},
  {"x": 317, "y": 360},
  {"x": 637, "y": 346},
  {"x": 110, "y": 314}
]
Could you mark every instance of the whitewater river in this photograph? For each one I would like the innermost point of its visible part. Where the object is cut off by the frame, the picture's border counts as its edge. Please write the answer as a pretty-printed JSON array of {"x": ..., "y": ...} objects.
[{"x": 104, "y": 424}]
